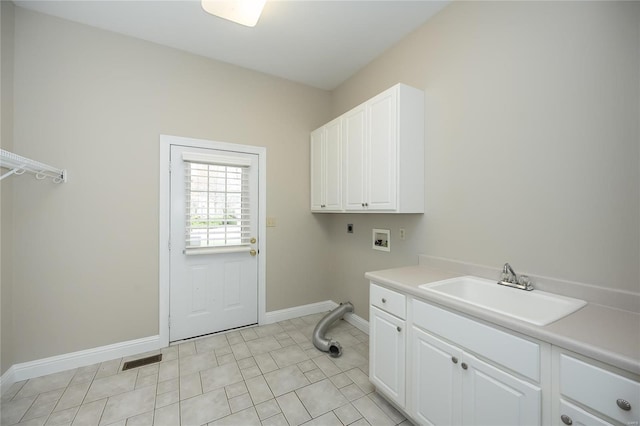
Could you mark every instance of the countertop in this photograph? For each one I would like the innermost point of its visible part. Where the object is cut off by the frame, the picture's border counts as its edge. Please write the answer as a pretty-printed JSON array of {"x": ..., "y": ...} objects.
[{"x": 606, "y": 334}]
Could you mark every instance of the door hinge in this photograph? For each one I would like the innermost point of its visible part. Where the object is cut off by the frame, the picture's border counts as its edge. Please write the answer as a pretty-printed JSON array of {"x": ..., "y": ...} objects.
[
  {"x": 169, "y": 245},
  {"x": 169, "y": 167}
]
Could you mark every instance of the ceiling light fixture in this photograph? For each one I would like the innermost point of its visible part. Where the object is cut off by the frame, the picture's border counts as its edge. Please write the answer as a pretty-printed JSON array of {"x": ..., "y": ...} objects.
[{"x": 243, "y": 12}]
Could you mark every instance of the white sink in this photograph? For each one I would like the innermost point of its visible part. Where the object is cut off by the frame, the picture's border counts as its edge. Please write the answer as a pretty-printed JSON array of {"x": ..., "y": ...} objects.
[{"x": 535, "y": 306}]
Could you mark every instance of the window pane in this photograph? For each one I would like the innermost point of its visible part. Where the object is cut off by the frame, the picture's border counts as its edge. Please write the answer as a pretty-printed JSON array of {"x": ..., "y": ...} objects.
[{"x": 217, "y": 205}]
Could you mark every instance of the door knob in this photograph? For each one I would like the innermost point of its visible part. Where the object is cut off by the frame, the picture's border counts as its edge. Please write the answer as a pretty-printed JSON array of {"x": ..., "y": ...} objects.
[{"x": 252, "y": 252}]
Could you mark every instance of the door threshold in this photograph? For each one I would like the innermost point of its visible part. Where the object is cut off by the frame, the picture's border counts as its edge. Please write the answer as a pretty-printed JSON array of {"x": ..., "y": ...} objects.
[{"x": 202, "y": 336}]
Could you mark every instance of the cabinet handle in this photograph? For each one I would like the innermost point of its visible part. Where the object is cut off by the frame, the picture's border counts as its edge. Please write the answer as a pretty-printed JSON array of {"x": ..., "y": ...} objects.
[
  {"x": 566, "y": 419},
  {"x": 384, "y": 300},
  {"x": 624, "y": 404},
  {"x": 398, "y": 328},
  {"x": 454, "y": 360},
  {"x": 464, "y": 366}
]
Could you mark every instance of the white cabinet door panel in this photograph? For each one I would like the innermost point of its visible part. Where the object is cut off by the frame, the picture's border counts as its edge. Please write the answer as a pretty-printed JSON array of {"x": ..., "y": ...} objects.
[
  {"x": 333, "y": 166},
  {"x": 382, "y": 155},
  {"x": 387, "y": 354},
  {"x": 317, "y": 166},
  {"x": 437, "y": 383},
  {"x": 355, "y": 137},
  {"x": 494, "y": 397}
]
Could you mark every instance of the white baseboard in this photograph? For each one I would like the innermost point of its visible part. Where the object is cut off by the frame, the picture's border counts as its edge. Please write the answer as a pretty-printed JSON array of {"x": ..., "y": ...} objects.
[
  {"x": 357, "y": 322},
  {"x": 315, "y": 308},
  {"x": 55, "y": 364},
  {"x": 298, "y": 311},
  {"x": 7, "y": 379}
]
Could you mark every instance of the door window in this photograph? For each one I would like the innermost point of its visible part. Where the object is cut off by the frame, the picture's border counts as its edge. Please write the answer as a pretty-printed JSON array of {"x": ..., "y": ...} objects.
[{"x": 217, "y": 205}]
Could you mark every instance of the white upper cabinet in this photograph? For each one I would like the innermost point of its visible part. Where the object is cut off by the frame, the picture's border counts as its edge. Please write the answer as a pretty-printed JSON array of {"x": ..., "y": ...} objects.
[
  {"x": 355, "y": 131},
  {"x": 326, "y": 167},
  {"x": 382, "y": 154}
]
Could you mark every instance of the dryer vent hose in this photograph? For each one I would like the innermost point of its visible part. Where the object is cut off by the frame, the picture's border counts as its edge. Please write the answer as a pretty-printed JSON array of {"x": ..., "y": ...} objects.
[{"x": 328, "y": 345}]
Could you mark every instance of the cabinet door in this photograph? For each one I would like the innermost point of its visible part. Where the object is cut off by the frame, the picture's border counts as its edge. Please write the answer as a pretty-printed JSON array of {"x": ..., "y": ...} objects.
[
  {"x": 387, "y": 354},
  {"x": 317, "y": 166},
  {"x": 381, "y": 177},
  {"x": 437, "y": 382},
  {"x": 355, "y": 138},
  {"x": 493, "y": 397},
  {"x": 333, "y": 166}
]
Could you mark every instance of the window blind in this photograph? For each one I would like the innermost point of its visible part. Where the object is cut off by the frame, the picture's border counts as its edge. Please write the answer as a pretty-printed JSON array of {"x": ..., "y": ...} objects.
[{"x": 217, "y": 204}]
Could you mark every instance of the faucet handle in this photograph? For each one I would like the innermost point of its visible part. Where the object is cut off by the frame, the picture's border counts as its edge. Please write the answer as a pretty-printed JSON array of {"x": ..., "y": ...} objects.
[{"x": 525, "y": 281}]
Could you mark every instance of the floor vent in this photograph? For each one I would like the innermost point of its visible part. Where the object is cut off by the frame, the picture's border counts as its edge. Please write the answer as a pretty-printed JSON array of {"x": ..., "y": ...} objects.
[{"x": 142, "y": 361}]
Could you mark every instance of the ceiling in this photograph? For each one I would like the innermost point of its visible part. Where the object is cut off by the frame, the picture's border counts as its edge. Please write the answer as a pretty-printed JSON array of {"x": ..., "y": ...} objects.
[{"x": 318, "y": 43}]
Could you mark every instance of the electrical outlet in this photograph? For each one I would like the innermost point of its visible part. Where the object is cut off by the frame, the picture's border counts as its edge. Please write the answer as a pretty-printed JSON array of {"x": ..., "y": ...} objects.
[{"x": 403, "y": 234}]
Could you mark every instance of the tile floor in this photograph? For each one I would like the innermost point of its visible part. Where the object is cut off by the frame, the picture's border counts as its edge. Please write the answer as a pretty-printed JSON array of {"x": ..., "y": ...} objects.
[{"x": 269, "y": 375}]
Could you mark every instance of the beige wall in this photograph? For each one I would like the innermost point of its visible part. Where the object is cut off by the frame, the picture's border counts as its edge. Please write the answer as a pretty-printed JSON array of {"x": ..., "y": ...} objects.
[
  {"x": 532, "y": 143},
  {"x": 6, "y": 187},
  {"x": 86, "y": 252}
]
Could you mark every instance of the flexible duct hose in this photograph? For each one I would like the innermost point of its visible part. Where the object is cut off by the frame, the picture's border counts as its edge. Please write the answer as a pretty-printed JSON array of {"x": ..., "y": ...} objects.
[{"x": 327, "y": 345}]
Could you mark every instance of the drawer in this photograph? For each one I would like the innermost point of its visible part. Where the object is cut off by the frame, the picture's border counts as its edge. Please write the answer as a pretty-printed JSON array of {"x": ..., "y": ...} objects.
[
  {"x": 575, "y": 416},
  {"x": 599, "y": 389},
  {"x": 388, "y": 300},
  {"x": 518, "y": 354}
]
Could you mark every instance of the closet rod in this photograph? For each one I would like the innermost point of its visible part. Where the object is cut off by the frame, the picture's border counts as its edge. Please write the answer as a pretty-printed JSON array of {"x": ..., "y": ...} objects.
[{"x": 19, "y": 165}]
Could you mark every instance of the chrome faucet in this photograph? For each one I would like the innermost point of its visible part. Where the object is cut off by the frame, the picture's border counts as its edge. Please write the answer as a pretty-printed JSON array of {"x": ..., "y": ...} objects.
[{"x": 511, "y": 279}]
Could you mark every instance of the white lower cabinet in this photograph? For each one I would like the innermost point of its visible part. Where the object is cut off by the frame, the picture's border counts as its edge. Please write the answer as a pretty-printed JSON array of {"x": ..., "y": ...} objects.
[
  {"x": 491, "y": 396},
  {"x": 437, "y": 382},
  {"x": 451, "y": 387},
  {"x": 387, "y": 348},
  {"x": 592, "y": 393},
  {"x": 442, "y": 368}
]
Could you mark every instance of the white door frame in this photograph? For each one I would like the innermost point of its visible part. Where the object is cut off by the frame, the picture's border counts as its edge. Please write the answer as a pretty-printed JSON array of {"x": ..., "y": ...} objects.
[{"x": 164, "y": 222}]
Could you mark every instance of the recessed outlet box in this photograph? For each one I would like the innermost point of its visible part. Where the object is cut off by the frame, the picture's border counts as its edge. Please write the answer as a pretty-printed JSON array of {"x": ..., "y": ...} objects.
[
  {"x": 350, "y": 228},
  {"x": 381, "y": 240}
]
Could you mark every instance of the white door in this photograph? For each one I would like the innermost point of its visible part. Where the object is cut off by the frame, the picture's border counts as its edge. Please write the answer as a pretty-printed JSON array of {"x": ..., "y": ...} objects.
[
  {"x": 354, "y": 141},
  {"x": 494, "y": 397},
  {"x": 214, "y": 230},
  {"x": 317, "y": 169},
  {"x": 382, "y": 154},
  {"x": 437, "y": 383},
  {"x": 387, "y": 354},
  {"x": 333, "y": 166}
]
